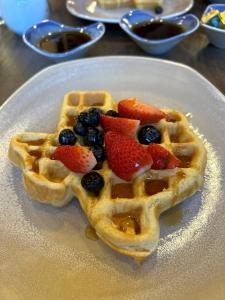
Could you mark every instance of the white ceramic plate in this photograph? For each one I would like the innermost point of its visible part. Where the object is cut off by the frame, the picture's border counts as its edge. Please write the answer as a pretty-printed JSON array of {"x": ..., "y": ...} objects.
[
  {"x": 89, "y": 10},
  {"x": 43, "y": 250}
]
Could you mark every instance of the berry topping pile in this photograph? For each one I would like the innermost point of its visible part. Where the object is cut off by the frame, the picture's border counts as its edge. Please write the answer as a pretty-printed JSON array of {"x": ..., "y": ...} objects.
[{"x": 124, "y": 138}]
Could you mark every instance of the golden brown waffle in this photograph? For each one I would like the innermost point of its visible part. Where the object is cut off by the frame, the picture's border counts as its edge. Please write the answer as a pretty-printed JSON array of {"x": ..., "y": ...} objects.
[
  {"x": 141, "y": 4},
  {"x": 109, "y": 4},
  {"x": 147, "y": 4},
  {"x": 124, "y": 215}
]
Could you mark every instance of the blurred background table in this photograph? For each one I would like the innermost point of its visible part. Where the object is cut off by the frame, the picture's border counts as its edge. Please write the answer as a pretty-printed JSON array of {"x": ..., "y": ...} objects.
[{"x": 18, "y": 63}]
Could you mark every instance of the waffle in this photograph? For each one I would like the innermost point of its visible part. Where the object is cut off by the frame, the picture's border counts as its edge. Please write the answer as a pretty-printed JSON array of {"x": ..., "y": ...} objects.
[
  {"x": 147, "y": 4},
  {"x": 110, "y": 4},
  {"x": 125, "y": 215},
  {"x": 141, "y": 4}
]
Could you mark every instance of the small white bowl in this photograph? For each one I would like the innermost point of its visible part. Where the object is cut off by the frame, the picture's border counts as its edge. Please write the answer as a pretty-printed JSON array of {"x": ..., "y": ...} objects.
[
  {"x": 189, "y": 22},
  {"x": 215, "y": 35}
]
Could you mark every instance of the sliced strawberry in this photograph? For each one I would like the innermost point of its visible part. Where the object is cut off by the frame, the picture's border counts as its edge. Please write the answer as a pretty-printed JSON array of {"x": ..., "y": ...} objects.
[
  {"x": 122, "y": 125},
  {"x": 126, "y": 157},
  {"x": 76, "y": 158},
  {"x": 134, "y": 109},
  {"x": 173, "y": 162},
  {"x": 162, "y": 158}
]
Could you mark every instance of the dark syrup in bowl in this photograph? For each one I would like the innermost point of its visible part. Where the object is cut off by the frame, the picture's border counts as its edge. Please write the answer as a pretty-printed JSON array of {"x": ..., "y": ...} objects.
[
  {"x": 157, "y": 30},
  {"x": 60, "y": 42}
]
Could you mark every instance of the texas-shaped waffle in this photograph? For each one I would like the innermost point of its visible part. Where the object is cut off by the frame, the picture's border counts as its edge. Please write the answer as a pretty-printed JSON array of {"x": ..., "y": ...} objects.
[{"x": 125, "y": 215}]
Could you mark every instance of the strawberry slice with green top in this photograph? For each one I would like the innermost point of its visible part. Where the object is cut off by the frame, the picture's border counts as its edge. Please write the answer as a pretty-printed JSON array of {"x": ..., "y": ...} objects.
[
  {"x": 122, "y": 125},
  {"x": 162, "y": 158},
  {"x": 132, "y": 108},
  {"x": 126, "y": 157},
  {"x": 78, "y": 159}
]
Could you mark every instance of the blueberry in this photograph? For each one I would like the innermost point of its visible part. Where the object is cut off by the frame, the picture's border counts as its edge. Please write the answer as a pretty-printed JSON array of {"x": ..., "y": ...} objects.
[
  {"x": 112, "y": 113},
  {"x": 99, "y": 153},
  {"x": 83, "y": 118},
  {"x": 92, "y": 182},
  {"x": 94, "y": 116},
  {"x": 158, "y": 10},
  {"x": 80, "y": 129},
  {"x": 100, "y": 138},
  {"x": 149, "y": 134},
  {"x": 67, "y": 137},
  {"x": 92, "y": 137}
]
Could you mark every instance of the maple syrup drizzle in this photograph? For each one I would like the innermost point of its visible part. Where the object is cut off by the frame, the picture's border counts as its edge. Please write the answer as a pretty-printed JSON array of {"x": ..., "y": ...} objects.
[
  {"x": 90, "y": 233},
  {"x": 35, "y": 153},
  {"x": 128, "y": 222},
  {"x": 53, "y": 178},
  {"x": 153, "y": 187},
  {"x": 70, "y": 121},
  {"x": 185, "y": 161},
  {"x": 35, "y": 167},
  {"x": 139, "y": 260},
  {"x": 97, "y": 104},
  {"x": 181, "y": 175},
  {"x": 122, "y": 190},
  {"x": 175, "y": 138},
  {"x": 33, "y": 143},
  {"x": 173, "y": 118}
]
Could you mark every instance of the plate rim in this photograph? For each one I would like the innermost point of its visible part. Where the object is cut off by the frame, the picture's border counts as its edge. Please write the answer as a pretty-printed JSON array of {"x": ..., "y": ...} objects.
[
  {"x": 113, "y": 57},
  {"x": 76, "y": 13}
]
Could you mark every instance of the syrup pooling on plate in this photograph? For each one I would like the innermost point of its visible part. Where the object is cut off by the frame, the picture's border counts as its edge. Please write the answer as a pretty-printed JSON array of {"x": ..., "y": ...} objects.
[{"x": 90, "y": 233}]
